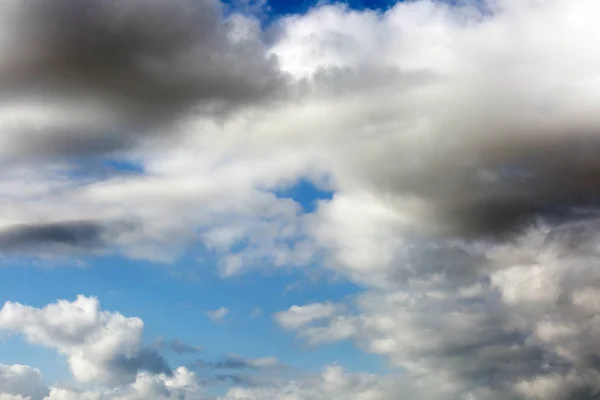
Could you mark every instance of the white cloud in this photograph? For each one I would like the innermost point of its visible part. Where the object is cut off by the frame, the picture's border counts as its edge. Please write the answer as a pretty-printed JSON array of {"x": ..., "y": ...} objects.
[
  {"x": 183, "y": 385},
  {"x": 298, "y": 316},
  {"x": 219, "y": 314},
  {"x": 103, "y": 348},
  {"x": 100, "y": 346},
  {"x": 19, "y": 382}
]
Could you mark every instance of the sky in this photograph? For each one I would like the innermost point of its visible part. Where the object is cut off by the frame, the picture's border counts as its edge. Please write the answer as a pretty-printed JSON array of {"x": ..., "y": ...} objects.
[{"x": 275, "y": 200}]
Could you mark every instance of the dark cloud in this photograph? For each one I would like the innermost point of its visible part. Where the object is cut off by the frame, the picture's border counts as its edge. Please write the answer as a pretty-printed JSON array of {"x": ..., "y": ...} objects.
[
  {"x": 492, "y": 185},
  {"x": 110, "y": 72},
  {"x": 144, "y": 360},
  {"x": 74, "y": 235}
]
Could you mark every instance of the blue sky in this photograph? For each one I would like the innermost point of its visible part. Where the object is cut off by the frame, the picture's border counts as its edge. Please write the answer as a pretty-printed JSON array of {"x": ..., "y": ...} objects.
[{"x": 172, "y": 303}]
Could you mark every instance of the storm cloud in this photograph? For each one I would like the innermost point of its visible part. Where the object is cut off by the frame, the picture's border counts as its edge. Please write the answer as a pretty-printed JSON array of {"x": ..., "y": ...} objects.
[
  {"x": 57, "y": 236},
  {"x": 88, "y": 77}
]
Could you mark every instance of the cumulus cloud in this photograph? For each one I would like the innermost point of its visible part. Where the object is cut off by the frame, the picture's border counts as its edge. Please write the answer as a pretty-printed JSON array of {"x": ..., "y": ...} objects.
[
  {"x": 181, "y": 385},
  {"x": 518, "y": 325},
  {"x": 100, "y": 346},
  {"x": 334, "y": 383},
  {"x": 20, "y": 382},
  {"x": 440, "y": 135},
  {"x": 105, "y": 355},
  {"x": 103, "y": 349}
]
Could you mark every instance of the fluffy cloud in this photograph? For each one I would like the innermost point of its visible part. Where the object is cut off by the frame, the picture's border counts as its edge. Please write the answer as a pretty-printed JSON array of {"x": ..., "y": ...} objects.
[
  {"x": 100, "y": 346},
  {"x": 20, "y": 382},
  {"x": 519, "y": 325},
  {"x": 332, "y": 384},
  {"x": 181, "y": 385}
]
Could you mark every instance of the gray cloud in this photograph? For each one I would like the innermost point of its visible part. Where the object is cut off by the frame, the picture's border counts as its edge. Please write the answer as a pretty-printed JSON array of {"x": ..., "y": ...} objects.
[
  {"x": 109, "y": 73},
  {"x": 176, "y": 346},
  {"x": 238, "y": 363},
  {"x": 226, "y": 363},
  {"x": 21, "y": 380},
  {"x": 144, "y": 360},
  {"x": 101, "y": 347},
  {"x": 180, "y": 347},
  {"x": 56, "y": 236},
  {"x": 510, "y": 320}
]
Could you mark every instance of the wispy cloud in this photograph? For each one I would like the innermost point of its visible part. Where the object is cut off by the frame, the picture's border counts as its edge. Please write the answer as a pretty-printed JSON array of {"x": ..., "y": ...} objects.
[{"x": 218, "y": 315}]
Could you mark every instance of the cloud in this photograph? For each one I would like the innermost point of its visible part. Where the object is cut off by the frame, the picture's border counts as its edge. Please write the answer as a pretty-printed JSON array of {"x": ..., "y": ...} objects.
[
  {"x": 333, "y": 384},
  {"x": 100, "y": 346},
  {"x": 54, "y": 237},
  {"x": 19, "y": 382},
  {"x": 182, "y": 384},
  {"x": 83, "y": 78},
  {"x": 176, "y": 346},
  {"x": 520, "y": 325},
  {"x": 218, "y": 315},
  {"x": 298, "y": 316},
  {"x": 292, "y": 287},
  {"x": 464, "y": 161},
  {"x": 103, "y": 349},
  {"x": 234, "y": 362}
]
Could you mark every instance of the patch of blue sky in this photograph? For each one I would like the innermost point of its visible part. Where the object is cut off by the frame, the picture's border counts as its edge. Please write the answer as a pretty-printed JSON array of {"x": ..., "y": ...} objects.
[
  {"x": 54, "y": 367},
  {"x": 174, "y": 308},
  {"x": 89, "y": 169},
  {"x": 305, "y": 193}
]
